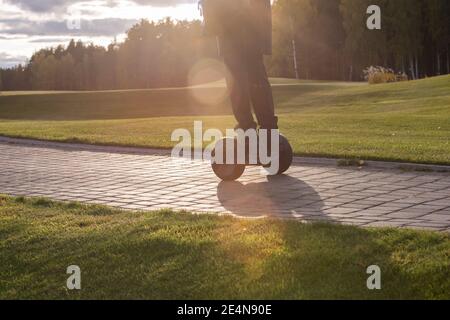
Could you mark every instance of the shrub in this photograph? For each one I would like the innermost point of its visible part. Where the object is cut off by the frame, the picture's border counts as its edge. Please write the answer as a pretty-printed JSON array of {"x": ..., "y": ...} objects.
[
  {"x": 42, "y": 202},
  {"x": 401, "y": 76},
  {"x": 375, "y": 75}
]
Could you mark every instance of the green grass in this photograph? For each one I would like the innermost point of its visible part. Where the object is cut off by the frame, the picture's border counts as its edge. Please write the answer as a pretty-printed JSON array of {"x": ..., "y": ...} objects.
[
  {"x": 407, "y": 121},
  {"x": 166, "y": 255}
]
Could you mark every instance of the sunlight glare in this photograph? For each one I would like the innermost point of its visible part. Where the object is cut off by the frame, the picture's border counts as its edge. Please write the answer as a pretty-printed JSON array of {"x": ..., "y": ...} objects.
[{"x": 206, "y": 80}]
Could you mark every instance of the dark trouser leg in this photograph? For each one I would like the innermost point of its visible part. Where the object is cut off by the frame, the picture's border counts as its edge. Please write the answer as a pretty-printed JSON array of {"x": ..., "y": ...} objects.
[
  {"x": 261, "y": 93},
  {"x": 237, "y": 82}
]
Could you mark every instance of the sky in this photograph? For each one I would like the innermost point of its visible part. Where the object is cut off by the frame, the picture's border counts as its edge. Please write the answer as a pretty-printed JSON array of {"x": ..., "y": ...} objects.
[{"x": 29, "y": 25}]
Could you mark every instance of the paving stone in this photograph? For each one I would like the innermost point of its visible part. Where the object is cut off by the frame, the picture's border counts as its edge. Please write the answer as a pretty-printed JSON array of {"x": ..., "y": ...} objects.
[
  {"x": 441, "y": 216},
  {"x": 354, "y": 222},
  {"x": 362, "y": 197},
  {"x": 406, "y": 214},
  {"x": 429, "y": 225},
  {"x": 372, "y": 212},
  {"x": 385, "y": 224}
]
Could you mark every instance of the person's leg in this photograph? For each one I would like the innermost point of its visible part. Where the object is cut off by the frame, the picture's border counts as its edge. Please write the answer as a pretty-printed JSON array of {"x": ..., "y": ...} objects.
[
  {"x": 237, "y": 83},
  {"x": 261, "y": 92}
]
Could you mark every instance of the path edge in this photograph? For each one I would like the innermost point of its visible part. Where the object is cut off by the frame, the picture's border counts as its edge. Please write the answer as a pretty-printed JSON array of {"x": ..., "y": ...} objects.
[{"x": 298, "y": 161}]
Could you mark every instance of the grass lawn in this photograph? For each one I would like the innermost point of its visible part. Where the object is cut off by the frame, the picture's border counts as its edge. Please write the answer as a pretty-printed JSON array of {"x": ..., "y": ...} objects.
[
  {"x": 407, "y": 121},
  {"x": 166, "y": 255}
]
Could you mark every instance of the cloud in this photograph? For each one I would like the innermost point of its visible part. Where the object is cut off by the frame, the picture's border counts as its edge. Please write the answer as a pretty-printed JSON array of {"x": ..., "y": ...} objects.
[
  {"x": 50, "y": 40},
  {"x": 163, "y": 3},
  {"x": 96, "y": 27},
  {"x": 40, "y": 5},
  {"x": 47, "y": 6},
  {"x": 39, "y": 24},
  {"x": 7, "y": 60}
]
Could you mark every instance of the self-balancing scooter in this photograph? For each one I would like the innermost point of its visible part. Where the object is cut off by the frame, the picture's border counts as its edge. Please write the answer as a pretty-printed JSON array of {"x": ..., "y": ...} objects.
[{"x": 233, "y": 170}]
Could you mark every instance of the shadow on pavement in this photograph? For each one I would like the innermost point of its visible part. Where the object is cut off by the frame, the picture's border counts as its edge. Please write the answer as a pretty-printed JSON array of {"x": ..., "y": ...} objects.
[{"x": 279, "y": 195}]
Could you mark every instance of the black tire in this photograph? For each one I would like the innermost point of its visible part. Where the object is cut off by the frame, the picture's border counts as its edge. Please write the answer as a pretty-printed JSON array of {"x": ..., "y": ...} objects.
[
  {"x": 286, "y": 155},
  {"x": 227, "y": 172}
]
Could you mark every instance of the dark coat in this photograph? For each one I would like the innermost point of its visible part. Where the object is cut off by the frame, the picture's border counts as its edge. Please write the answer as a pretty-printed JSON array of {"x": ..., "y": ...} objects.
[{"x": 244, "y": 25}]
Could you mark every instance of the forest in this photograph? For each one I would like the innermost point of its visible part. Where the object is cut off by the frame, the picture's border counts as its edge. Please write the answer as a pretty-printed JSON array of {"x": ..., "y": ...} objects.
[{"x": 313, "y": 39}]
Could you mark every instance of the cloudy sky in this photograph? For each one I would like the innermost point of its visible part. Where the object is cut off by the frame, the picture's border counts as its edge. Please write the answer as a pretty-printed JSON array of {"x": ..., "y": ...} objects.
[{"x": 28, "y": 25}]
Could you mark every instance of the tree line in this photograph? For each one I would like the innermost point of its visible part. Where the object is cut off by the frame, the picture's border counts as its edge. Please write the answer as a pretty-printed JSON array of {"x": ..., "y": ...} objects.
[{"x": 313, "y": 39}]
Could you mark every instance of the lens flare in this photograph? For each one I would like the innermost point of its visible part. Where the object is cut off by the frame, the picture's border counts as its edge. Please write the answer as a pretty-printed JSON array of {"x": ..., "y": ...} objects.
[{"x": 206, "y": 80}]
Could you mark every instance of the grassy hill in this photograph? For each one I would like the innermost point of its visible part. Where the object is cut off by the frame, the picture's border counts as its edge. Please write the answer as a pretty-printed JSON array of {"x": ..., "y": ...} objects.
[{"x": 408, "y": 121}]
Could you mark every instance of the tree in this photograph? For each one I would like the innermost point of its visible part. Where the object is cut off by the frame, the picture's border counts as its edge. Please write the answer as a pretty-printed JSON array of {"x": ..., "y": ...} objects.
[
  {"x": 437, "y": 18},
  {"x": 313, "y": 39},
  {"x": 291, "y": 19},
  {"x": 65, "y": 74},
  {"x": 363, "y": 47}
]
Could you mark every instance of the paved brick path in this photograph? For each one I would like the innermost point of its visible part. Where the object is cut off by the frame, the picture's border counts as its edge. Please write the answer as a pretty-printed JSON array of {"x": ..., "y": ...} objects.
[{"x": 366, "y": 197}]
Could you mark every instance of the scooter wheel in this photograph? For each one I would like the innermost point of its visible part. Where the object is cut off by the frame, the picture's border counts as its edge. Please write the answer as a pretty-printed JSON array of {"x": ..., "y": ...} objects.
[
  {"x": 224, "y": 171},
  {"x": 228, "y": 172},
  {"x": 286, "y": 155}
]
